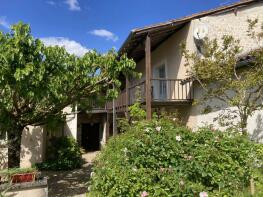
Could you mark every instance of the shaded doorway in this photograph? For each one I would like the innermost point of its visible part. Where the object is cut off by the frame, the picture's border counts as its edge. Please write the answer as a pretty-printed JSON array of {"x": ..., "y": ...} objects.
[{"x": 90, "y": 137}]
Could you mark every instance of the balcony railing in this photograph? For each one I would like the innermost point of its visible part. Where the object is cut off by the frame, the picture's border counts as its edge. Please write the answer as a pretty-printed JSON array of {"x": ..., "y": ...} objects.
[{"x": 163, "y": 91}]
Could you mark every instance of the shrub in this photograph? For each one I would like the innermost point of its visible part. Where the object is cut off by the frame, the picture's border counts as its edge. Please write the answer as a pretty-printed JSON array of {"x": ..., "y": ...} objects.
[
  {"x": 136, "y": 112},
  {"x": 161, "y": 159},
  {"x": 64, "y": 154}
]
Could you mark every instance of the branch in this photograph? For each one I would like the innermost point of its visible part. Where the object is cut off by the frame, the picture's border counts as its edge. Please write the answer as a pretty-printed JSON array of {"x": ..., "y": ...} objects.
[{"x": 41, "y": 118}]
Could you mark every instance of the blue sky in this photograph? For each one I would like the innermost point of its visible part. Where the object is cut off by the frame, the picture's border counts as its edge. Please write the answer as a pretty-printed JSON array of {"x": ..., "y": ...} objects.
[{"x": 80, "y": 25}]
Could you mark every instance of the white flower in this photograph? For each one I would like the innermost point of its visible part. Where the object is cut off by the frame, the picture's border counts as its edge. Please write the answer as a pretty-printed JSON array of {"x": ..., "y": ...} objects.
[
  {"x": 158, "y": 129},
  {"x": 181, "y": 183},
  {"x": 92, "y": 174},
  {"x": 178, "y": 138},
  {"x": 174, "y": 119},
  {"x": 89, "y": 188},
  {"x": 203, "y": 194},
  {"x": 125, "y": 150},
  {"x": 147, "y": 130},
  {"x": 134, "y": 169}
]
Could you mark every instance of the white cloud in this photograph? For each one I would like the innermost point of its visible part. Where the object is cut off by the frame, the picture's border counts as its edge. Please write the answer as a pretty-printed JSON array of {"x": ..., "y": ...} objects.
[
  {"x": 51, "y": 3},
  {"x": 71, "y": 46},
  {"x": 104, "y": 34},
  {"x": 4, "y": 23},
  {"x": 73, "y": 5}
]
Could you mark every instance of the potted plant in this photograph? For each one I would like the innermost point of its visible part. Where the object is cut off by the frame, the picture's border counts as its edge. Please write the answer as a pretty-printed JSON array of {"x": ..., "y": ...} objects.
[{"x": 18, "y": 175}]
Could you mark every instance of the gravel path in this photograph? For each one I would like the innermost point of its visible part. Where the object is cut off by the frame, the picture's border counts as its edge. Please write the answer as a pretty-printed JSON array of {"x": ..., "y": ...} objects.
[{"x": 70, "y": 183}]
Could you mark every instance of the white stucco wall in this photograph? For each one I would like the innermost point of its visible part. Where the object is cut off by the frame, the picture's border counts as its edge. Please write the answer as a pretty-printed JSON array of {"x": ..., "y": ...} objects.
[
  {"x": 169, "y": 53},
  {"x": 33, "y": 146},
  {"x": 235, "y": 24},
  {"x": 70, "y": 127},
  {"x": 33, "y": 143},
  {"x": 196, "y": 117}
]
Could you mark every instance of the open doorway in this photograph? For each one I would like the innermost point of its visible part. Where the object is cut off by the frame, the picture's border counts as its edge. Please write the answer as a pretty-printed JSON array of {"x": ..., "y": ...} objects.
[{"x": 90, "y": 137}]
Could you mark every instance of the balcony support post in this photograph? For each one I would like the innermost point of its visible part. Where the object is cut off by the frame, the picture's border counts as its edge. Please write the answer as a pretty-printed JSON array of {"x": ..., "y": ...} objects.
[
  {"x": 127, "y": 97},
  {"x": 148, "y": 78},
  {"x": 114, "y": 127},
  {"x": 107, "y": 126}
]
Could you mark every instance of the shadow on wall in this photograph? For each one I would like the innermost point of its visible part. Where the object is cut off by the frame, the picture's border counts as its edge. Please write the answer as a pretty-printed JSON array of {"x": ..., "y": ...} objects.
[
  {"x": 32, "y": 146},
  {"x": 257, "y": 134}
]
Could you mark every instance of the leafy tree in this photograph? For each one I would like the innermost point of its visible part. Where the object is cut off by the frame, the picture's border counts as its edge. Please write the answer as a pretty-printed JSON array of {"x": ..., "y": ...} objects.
[
  {"x": 221, "y": 73},
  {"x": 37, "y": 82}
]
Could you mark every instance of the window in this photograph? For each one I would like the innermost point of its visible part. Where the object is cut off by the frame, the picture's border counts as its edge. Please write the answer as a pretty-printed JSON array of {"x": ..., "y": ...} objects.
[
  {"x": 162, "y": 83},
  {"x": 159, "y": 85}
]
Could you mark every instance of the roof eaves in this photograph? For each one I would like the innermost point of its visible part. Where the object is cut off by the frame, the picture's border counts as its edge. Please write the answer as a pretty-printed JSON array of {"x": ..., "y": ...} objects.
[{"x": 147, "y": 29}]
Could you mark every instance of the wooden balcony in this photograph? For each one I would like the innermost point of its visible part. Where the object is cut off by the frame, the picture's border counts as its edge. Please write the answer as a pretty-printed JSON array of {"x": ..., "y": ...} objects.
[{"x": 163, "y": 92}]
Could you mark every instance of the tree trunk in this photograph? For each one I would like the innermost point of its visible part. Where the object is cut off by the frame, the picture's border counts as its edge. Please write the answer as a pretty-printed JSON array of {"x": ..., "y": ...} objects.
[
  {"x": 14, "y": 146},
  {"x": 243, "y": 124}
]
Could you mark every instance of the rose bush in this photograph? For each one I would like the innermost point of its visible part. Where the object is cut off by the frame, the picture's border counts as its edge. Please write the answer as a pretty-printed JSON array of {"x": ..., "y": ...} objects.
[{"x": 159, "y": 158}]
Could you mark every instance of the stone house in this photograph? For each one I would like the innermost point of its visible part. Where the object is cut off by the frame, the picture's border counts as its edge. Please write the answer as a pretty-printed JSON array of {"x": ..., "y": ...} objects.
[{"x": 163, "y": 86}]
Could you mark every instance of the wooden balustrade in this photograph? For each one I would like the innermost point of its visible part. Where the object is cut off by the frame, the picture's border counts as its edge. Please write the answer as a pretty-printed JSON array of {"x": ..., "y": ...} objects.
[
  {"x": 171, "y": 90},
  {"x": 163, "y": 90}
]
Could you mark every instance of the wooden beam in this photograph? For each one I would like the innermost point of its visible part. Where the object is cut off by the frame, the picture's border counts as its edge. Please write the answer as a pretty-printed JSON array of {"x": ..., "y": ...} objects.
[
  {"x": 107, "y": 126},
  {"x": 148, "y": 78},
  {"x": 127, "y": 97}
]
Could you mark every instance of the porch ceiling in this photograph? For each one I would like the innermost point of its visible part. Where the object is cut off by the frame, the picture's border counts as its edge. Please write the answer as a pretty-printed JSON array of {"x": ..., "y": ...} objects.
[{"x": 135, "y": 48}]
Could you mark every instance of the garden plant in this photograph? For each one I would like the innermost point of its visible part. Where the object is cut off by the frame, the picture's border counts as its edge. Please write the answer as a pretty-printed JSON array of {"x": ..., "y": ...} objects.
[{"x": 162, "y": 158}]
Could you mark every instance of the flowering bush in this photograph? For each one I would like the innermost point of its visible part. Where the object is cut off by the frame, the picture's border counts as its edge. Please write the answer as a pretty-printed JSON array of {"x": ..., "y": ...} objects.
[{"x": 158, "y": 158}]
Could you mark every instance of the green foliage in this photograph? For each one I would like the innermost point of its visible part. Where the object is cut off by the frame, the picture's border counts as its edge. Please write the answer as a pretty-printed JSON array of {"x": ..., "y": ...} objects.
[
  {"x": 136, "y": 112},
  {"x": 26, "y": 63},
  {"x": 166, "y": 160},
  {"x": 226, "y": 79},
  {"x": 37, "y": 82},
  {"x": 64, "y": 154}
]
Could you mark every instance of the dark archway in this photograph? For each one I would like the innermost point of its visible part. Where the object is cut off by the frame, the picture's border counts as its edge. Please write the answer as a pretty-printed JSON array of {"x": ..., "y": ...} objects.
[{"x": 90, "y": 136}]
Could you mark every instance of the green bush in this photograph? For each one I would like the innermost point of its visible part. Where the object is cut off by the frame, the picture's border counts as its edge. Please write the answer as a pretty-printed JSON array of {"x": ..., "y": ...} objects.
[
  {"x": 63, "y": 154},
  {"x": 161, "y": 159}
]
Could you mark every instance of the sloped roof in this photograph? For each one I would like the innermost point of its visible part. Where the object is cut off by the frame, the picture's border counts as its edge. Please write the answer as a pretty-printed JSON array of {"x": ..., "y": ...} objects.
[{"x": 134, "y": 44}]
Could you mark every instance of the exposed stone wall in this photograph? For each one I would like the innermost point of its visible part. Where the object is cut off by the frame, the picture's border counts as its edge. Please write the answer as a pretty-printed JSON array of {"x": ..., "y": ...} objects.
[
  {"x": 233, "y": 23},
  {"x": 228, "y": 23}
]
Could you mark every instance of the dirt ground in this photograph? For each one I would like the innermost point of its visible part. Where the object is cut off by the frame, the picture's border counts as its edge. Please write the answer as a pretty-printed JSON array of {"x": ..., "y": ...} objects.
[{"x": 70, "y": 183}]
